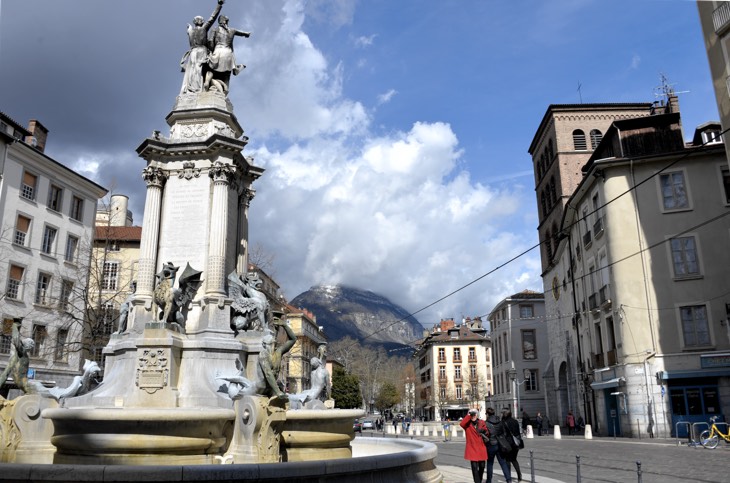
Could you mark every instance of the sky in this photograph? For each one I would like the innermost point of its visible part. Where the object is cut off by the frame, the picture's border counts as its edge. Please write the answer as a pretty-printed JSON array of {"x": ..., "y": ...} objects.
[{"x": 394, "y": 134}]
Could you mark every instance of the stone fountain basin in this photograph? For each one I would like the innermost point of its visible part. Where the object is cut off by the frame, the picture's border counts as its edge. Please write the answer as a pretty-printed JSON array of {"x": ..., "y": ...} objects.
[
  {"x": 129, "y": 436},
  {"x": 315, "y": 434},
  {"x": 374, "y": 460}
]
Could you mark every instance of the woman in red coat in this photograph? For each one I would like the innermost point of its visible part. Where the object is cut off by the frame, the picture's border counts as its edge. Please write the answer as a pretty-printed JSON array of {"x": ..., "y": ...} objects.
[{"x": 475, "y": 450}]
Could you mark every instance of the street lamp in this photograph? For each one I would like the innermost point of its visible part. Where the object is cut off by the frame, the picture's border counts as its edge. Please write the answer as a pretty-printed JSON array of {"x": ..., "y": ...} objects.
[{"x": 512, "y": 373}]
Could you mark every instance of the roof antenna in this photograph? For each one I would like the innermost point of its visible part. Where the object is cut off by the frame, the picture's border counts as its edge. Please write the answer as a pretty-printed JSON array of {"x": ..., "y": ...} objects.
[
  {"x": 664, "y": 91},
  {"x": 580, "y": 95}
]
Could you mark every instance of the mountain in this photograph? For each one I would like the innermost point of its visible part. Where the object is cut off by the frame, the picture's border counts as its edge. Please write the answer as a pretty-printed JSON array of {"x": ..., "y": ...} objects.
[{"x": 363, "y": 315}]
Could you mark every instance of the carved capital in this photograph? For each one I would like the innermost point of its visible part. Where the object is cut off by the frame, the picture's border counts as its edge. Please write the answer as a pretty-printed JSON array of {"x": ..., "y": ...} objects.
[
  {"x": 154, "y": 176},
  {"x": 189, "y": 171},
  {"x": 248, "y": 195},
  {"x": 222, "y": 173}
]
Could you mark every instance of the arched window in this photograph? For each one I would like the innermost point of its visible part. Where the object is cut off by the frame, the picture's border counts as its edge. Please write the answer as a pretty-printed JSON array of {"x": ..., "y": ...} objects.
[
  {"x": 550, "y": 150},
  {"x": 548, "y": 245},
  {"x": 596, "y": 137},
  {"x": 556, "y": 235},
  {"x": 553, "y": 196},
  {"x": 579, "y": 140}
]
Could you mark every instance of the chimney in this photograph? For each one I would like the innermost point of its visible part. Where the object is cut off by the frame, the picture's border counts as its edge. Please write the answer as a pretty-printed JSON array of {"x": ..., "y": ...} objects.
[{"x": 38, "y": 135}]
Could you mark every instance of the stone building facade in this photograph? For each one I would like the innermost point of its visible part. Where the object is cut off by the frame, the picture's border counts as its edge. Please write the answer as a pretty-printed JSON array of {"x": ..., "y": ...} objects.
[{"x": 47, "y": 221}]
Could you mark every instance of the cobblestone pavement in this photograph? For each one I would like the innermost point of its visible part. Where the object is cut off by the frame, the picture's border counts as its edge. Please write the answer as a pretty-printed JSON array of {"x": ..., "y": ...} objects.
[{"x": 601, "y": 460}]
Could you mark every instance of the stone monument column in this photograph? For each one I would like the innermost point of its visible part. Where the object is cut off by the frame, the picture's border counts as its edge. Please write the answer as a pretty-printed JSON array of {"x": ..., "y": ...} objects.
[
  {"x": 244, "y": 201},
  {"x": 216, "y": 277},
  {"x": 155, "y": 179}
]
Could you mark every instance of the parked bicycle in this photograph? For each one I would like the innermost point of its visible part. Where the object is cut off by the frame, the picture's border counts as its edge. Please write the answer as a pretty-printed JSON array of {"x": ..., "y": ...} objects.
[{"x": 710, "y": 438}]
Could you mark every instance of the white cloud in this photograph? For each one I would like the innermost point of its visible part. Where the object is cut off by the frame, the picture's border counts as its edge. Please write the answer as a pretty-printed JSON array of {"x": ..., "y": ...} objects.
[
  {"x": 635, "y": 61},
  {"x": 365, "y": 41},
  {"x": 386, "y": 96}
]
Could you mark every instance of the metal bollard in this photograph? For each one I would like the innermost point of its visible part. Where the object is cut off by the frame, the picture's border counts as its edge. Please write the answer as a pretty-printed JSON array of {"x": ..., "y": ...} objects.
[
  {"x": 532, "y": 468},
  {"x": 577, "y": 468},
  {"x": 638, "y": 470}
]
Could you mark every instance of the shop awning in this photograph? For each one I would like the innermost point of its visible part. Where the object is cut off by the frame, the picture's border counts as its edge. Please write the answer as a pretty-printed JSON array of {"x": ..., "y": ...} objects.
[
  {"x": 721, "y": 372},
  {"x": 607, "y": 384}
]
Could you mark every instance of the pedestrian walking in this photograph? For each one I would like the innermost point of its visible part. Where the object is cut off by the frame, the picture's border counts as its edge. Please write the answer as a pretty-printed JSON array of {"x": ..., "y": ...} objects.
[
  {"x": 570, "y": 423},
  {"x": 538, "y": 423},
  {"x": 447, "y": 429},
  {"x": 512, "y": 429},
  {"x": 496, "y": 429},
  {"x": 475, "y": 450},
  {"x": 525, "y": 421}
]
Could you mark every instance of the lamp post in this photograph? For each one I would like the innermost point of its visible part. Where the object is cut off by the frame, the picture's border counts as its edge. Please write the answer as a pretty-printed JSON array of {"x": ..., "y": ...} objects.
[{"x": 512, "y": 372}]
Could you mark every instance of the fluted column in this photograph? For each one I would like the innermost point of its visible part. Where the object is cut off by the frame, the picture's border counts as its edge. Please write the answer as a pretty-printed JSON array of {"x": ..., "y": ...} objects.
[
  {"x": 155, "y": 179},
  {"x": 216, "y": 278},
  {"x": 244, "y": 202}
]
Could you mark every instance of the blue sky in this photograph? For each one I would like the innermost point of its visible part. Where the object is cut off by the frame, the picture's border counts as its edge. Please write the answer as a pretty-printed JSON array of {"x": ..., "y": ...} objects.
[{"x": 394, "y": 133}]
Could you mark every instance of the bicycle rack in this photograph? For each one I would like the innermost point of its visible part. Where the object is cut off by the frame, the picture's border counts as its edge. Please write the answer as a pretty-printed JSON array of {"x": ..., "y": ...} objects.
[
  {"x": 697, "y": 433},
  {"x": 689, "y": 432}
]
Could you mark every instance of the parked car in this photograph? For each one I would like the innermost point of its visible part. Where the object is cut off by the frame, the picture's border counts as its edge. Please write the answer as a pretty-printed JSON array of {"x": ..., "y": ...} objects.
[
  {"x": 368, "y": 424},
  {"x": 357, "y": 426}
]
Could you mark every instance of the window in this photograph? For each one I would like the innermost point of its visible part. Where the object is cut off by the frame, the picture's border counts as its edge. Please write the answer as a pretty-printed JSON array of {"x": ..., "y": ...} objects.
[
  {"x": 72, "y": 244},
  {"x": 55, "y": 198},
  {"x": 442, "y": 354},
  {"x": 596, "y": 137},
  {"x": 472, "y": 372},
  {"x": 49, "y": 240},
  {"x": 684, "y": 256},
  {"x": 43, "y": 289},
  {"x": 96, "y": 354},
  {"x": 695, "y": 328},
  {"x": 472, "y": 354},
  {"x": 6, "y": 336},
  {"x": 107, "y": 321},
  {"x": 711, "y": 136},
  {"x": 40, "y": 333},
  {"x": 550, "y": 150},
  {"x": 77, "y": 208},
  {"x": 459, "y": 394},
  {"x": 726, "y": 185},
  {"x": 110, "y": 276},
  {"x": 442, "y": 393},
  {"x": 457, "y": 354},
  {"x": 67, "y": 288},
  {"x": 22, "y": 228},
  {"x": 15, "y": 279},
  {"x": 28, "y": 186},
  {"x": 531, "y": 380},
  {"x": 61, "y": 345},
  {"x": 674, "y": 193},
  {"x": 579, "y": 140},
  {"x": 527, "y": 311},
  {"x": 529, "y": 351},
  {"x": 442, "y": 372},
  {"x": 457, "y": 373}
]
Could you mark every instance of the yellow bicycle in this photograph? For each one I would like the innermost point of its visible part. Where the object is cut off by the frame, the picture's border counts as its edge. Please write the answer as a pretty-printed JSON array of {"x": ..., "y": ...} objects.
[{"x": 710, "y": 438}]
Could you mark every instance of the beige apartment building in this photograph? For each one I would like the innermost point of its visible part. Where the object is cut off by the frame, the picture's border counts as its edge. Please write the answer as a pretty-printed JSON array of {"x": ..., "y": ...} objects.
[
  {"x": 518, "y": 329},
  {"x": 715, "y": 20},
  {"x": 636, "y": 284},
  {"x": 310, "y": 338},
  {"x": 113, "y": 273},
  {"x": 47, "y": 223},
  {"x": 453, "y": 371}
]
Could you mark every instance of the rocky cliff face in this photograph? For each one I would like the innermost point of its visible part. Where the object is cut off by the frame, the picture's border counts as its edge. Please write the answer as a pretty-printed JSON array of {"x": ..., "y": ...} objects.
[{"x": 360, "y": 314}]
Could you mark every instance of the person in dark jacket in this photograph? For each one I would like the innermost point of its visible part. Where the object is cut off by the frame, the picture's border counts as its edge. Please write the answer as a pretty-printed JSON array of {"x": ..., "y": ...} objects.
[
  {"x": 475, "y": 450},
  {"x": 496, "y": 428},
  {"x": 512, "y": 428}
]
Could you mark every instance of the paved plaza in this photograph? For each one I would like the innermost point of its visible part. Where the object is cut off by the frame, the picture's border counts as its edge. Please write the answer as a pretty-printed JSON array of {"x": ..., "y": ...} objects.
[{"x": 601, "y": 460}]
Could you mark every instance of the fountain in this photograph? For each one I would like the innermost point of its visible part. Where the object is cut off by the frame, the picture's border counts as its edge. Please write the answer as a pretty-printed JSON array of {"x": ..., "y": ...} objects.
[{"x": 190, "y": 388}]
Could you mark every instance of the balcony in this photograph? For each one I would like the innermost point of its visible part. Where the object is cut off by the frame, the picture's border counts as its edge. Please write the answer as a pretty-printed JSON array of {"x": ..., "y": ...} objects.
[
  {"x": 593, "y": 301},
  {"x": 605, "y": 296},
  {"x": 611, "y": 357},
  {"x": 721, "y": 17},
  {"x": 598, "y": 227},
  {"x": 587, "y": 239},
  {"x": 598, "y": 361}
]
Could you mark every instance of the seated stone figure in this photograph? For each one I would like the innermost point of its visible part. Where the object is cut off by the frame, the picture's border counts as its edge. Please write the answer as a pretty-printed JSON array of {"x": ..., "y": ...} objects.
[{"x": 320, "y": 382}]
